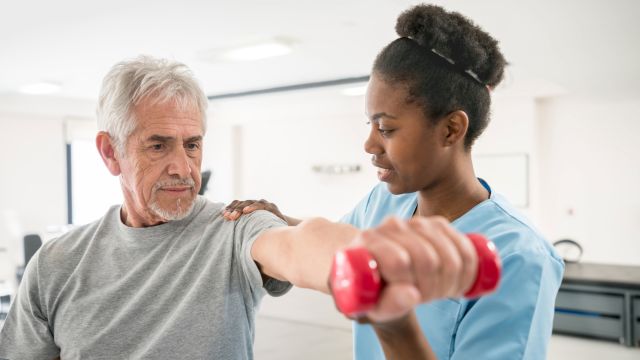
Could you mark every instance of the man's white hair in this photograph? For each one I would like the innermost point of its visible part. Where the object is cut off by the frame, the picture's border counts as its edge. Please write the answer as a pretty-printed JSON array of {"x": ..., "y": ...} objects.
[{"x": 144, "y": 78}]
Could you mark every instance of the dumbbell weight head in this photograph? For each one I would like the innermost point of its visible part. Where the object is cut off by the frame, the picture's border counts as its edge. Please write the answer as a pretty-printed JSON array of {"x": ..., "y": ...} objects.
[{"x": 356, "y": 282}]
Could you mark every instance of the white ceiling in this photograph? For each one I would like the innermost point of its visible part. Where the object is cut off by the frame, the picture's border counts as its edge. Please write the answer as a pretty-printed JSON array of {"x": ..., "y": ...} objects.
[{"x": 580, "y": 47}]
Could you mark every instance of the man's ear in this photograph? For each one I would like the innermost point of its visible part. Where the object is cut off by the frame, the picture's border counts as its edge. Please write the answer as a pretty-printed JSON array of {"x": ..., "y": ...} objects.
[
  {"x": 107, "y": 152},
  {"x": 456, "y": 125}
]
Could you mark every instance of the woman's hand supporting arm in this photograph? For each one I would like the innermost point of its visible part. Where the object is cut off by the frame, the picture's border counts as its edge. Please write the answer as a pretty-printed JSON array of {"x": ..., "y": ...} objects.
[{"x": 238, "y": 208}]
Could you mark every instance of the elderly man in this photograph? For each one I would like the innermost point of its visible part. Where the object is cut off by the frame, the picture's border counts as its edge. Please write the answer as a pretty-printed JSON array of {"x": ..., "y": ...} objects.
[{"x": 164, "y": 275}]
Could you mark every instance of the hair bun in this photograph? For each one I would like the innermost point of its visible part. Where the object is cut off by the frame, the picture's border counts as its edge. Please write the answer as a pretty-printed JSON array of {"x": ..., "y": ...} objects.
[{"x": 456, "y": 37}]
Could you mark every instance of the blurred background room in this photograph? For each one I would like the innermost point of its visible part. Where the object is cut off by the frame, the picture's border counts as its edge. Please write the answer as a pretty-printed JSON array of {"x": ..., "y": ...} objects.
[{"x": 286, "y": 82}]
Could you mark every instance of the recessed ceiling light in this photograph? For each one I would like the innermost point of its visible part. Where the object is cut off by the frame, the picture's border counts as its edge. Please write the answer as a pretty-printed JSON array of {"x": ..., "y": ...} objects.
[
  {"x": 257, "y": 52},
  {"x": 355, "y": 91},
  {"x": 40, "y": 88},
  {"x": 250, "y": 51}
]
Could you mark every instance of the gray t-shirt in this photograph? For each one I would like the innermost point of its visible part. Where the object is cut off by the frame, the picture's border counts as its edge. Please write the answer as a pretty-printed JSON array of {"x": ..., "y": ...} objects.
[{"x": 185, "y": 289}]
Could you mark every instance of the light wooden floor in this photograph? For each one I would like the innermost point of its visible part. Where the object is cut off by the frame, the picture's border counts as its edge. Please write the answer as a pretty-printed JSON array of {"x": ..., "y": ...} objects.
[{"x": 278, "y": 339}]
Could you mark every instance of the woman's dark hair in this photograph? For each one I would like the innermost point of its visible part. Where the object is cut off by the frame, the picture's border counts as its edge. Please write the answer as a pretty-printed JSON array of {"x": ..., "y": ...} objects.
[{"x": 447, "y": 62}]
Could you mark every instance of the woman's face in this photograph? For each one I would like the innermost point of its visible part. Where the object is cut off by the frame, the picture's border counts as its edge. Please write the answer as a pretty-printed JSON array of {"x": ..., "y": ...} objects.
[{"x": 408, "y": 150}]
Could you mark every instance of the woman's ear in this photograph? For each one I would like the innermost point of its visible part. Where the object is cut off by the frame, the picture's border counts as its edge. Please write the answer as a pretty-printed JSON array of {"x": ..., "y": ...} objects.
[
  {"x": 456, "y": 126},
  {"x": 107, "y": 152}
]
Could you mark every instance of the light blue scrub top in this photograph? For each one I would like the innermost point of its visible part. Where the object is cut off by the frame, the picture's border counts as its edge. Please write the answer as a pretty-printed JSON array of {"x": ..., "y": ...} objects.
[{"x": 513, "y": 323}]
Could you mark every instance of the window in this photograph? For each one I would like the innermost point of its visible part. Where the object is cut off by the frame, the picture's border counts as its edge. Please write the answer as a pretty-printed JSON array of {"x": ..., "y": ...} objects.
[{"x": 91, "y": 188}]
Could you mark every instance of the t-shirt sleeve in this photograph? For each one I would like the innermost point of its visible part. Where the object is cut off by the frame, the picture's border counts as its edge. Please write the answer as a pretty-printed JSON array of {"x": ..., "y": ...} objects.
[
  {"x": 515, "y": 322},
  {"x": 26, "y": 333},
  {"x": 248, "y": 229}
]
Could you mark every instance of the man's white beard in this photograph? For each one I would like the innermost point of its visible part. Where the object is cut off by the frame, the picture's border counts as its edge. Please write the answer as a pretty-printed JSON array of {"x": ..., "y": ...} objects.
[
  {"x": 179, "y": 213},
  {"x": 181, "y": 210}
]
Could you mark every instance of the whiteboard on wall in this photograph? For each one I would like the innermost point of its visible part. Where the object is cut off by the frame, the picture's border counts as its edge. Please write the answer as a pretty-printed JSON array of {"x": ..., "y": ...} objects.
[{"x": 507, "y": 174}]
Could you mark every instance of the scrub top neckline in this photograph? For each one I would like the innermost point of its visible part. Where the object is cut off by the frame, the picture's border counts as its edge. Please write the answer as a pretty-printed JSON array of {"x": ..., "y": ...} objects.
[{"x": 483, "y": 183}]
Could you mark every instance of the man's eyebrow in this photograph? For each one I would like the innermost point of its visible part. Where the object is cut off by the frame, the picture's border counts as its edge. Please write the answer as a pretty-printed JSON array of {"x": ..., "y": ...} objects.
[
  {"x": 165, "y": 139},
  {"x": 193, "y": 139},
  {"x": 160, "y": 138}
]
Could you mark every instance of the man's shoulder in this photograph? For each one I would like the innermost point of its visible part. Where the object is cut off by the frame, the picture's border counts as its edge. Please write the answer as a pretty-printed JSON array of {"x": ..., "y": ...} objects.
[
  {"x": 261, "y": 219},
  {"x": 70, "y": 245},
  {"x": 209, "y": 216}
]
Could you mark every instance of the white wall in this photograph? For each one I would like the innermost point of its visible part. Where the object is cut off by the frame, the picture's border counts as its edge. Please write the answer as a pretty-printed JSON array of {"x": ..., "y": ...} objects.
[
  {"x": 32, "y": 182},
  {"x": 590, "y": 173},
  {"x": 276, "y": 139},
  {"x": 511, "y": 134},
  {"x": 583, "y": 157}
]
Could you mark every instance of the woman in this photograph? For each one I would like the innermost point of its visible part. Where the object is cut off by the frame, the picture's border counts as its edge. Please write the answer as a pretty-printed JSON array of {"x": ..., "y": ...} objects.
[{"x": 428, "y": 100}]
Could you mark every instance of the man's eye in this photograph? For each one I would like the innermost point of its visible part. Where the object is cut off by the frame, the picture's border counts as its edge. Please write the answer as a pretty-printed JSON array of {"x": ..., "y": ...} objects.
[
  {"x": 193, "y": 146},
  {"x": 157, "y": 147}
]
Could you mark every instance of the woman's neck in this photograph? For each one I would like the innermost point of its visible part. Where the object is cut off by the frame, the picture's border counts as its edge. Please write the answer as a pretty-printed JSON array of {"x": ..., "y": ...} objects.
[{"x": 454, "y": 196}]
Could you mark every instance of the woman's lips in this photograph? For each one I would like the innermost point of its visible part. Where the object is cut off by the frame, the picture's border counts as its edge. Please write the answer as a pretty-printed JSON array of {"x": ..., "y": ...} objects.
[{"x": 384, "y": 174}]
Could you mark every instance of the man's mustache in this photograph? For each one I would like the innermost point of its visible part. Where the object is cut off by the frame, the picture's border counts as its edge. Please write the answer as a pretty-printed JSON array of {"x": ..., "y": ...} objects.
[{"x": 174, "y": 182}]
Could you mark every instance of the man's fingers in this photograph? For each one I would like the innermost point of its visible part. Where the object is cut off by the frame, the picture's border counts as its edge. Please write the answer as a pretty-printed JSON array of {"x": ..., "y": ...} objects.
[
  {"x": 450, "y": 265},
  {"x": 396, "y": 300},
  {"x": 468, "y": 254},
  {"x": 425, "y": 260},
  {"x": 394, "y": 261}
]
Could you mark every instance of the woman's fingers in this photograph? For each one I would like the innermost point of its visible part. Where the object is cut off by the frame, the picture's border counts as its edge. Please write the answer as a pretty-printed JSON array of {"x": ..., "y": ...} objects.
[{"x": 237, "y": 208}]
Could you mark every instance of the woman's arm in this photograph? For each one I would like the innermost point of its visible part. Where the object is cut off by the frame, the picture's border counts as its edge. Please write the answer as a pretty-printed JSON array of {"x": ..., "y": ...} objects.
[{"x": 403, "y": 339}]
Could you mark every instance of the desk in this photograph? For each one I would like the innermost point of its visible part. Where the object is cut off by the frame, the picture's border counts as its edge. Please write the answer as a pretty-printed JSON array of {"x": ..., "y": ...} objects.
[{"x": 601, "y": 301}]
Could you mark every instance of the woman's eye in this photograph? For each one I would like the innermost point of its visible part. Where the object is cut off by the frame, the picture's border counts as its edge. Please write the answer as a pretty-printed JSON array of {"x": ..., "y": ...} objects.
[{"x": 385, "y": 132}]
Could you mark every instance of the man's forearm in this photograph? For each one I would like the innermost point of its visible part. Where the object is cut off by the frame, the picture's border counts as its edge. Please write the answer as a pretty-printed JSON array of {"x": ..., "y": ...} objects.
[{"x": 302, "y": 254}]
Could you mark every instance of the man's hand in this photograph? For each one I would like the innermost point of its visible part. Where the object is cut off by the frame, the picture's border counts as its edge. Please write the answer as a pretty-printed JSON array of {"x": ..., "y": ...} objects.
[{"x": 421, "y": 260}]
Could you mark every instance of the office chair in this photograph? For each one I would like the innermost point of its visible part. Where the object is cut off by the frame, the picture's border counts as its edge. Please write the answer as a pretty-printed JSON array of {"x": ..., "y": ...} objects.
[{"x": 31, "y": 243}]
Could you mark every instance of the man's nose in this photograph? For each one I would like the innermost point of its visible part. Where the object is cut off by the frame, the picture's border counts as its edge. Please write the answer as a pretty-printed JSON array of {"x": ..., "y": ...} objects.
[{"x": 180, "y": 164}]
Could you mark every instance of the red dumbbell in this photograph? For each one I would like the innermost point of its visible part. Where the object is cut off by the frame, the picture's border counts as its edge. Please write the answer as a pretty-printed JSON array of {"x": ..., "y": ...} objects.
[{"x": 356, "y": 283}]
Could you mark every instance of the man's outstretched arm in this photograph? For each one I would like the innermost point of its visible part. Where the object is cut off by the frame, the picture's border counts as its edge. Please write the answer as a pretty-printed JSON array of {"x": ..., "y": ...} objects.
[
  {"x": 421, "y": 259},
  {"x": 302, "y": 255}
]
